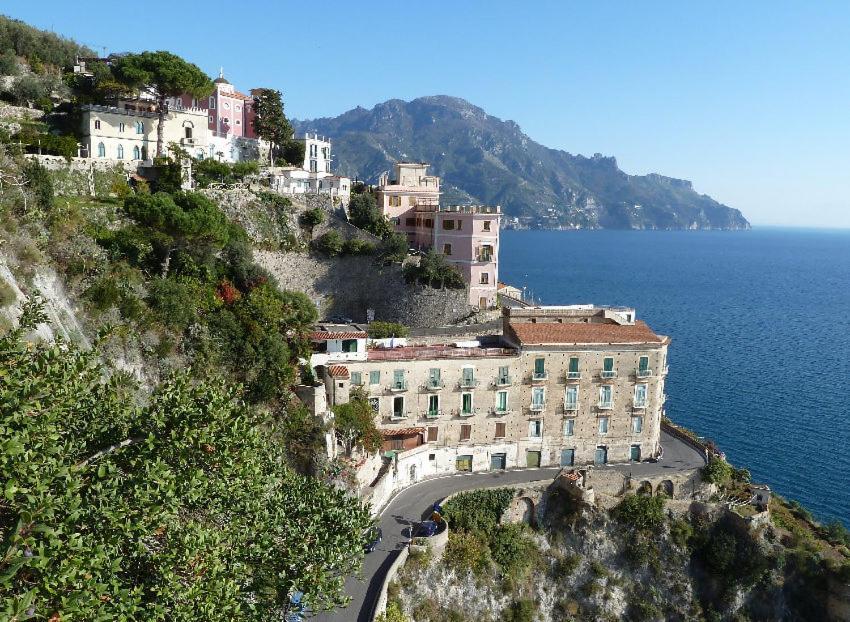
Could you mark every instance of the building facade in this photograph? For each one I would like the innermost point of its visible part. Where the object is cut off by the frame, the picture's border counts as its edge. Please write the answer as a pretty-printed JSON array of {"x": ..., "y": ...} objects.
[
  {"x": 315, "y": 173},
  {"x": 562, "y": 386},
  {"x": 468, "y": 235}
]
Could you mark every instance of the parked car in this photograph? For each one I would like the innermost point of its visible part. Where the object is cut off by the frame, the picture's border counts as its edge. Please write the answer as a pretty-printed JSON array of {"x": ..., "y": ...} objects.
[
  {"x": 425, "y": 529},
  {"x": 373, "y": 537}
]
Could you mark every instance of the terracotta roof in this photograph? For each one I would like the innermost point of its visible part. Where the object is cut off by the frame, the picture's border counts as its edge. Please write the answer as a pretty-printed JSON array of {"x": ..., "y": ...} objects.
[
  {"x": 540, "y": 333},
  {"x": 338, "y": 371},
  {"x": 321, "y": 335},
  {"x": 402, "y": 431},
  {"x": 573, "y": 476}
]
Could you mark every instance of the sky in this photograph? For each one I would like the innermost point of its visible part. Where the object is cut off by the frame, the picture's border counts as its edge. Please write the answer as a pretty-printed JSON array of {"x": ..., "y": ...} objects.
[{"x": 749, "y": 100}]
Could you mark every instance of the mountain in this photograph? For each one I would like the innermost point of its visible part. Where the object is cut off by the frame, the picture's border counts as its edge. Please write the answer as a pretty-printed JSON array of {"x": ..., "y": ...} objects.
[{"x": 483, "y": 159}]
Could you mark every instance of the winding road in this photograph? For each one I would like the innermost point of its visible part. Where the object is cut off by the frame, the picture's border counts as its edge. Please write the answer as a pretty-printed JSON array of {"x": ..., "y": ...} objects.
[{"x": 414, "y": 504}]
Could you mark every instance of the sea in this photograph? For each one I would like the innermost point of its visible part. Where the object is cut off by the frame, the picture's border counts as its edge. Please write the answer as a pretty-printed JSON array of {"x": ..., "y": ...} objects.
[{"x": 760, "y": 327}]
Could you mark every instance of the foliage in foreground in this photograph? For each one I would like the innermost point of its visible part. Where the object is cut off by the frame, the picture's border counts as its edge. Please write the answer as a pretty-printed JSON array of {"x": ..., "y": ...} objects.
[
  {"x": 383, "y": 330},
  {"x": 434, "y": 270},
  {"x": 182, "y": 509},
  {"x": 477, "y": 510}
]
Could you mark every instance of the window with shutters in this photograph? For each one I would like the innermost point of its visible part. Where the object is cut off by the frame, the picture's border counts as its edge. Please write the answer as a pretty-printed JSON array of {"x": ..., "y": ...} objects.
[
  {"x": 432, "y": 434},
  {"x": 500, "y": 429},
  {"x": 465, "y": 432}
]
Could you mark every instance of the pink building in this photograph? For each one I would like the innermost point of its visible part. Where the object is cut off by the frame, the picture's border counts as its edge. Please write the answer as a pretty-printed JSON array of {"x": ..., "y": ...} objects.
[{"x": 468, "y": 235}]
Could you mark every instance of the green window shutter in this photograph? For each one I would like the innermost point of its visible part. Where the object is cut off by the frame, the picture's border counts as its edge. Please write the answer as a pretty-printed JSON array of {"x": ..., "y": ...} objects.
[
  {"x": 503, "y": 400},
  {"x": 643, "y": 365},
  {"x": 356, "y": 378},
  {"x": 608, "y": 364},
  {"x": 574, "y": 364},
  {"x": 467, "y": 402},
  {"x": 539, "y": 365},
  {"x": 374, "y": 377}
]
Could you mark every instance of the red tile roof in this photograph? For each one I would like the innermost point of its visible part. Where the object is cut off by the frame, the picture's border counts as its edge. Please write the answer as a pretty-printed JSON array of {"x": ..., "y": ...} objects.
[
  {"x": 402, "y": 431},
  {"x": 338, "y": 371},
  {"x": 321, "y": 335},
  {"x": 540, "y": 333}
]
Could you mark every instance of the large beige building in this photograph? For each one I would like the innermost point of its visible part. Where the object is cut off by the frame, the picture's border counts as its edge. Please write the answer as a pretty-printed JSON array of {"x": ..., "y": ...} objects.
[{"x": 561, "y": 386}]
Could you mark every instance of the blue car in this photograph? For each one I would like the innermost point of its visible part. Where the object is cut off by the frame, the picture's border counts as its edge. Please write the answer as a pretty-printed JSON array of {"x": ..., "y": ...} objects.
[
  {"x": 425, "y": 529},
  {"x": 373, "y": 537}
]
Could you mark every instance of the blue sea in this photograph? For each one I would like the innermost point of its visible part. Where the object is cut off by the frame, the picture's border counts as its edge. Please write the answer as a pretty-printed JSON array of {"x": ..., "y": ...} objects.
[{"x": 760, "y": 328}]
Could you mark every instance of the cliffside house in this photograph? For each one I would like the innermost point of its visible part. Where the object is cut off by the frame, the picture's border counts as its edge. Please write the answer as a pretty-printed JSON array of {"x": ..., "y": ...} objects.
[
  {"x": 315, "y": 173},
  {"x": 564, "y": 385},
  {"x": 468, "y": 235}
]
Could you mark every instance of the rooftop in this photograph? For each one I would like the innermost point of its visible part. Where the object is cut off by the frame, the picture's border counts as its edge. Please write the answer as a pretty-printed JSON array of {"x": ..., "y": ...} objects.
[
  {"x": 545, "y": 333},
  {"x": 338, "y": 371},
  {"x": 436, "y": 351},
  {"x": 472, "y": 209},
  {"x": 321, "y": 335}
]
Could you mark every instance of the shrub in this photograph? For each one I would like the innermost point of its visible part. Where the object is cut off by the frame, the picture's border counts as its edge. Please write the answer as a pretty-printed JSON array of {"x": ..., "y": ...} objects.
[
  {"x": 311, "y": 219},
  {"x": 640, "y": 511},
  {"x": 513, "y": 550},
  {"x": 7, "y": 294},
  {"x": 329, "y": 244},
  {"x": 567, "y": 565},
  {"x": 103, "y": 293},
  {"x": 467, "y": 552},
  {"x": 717, "y": 471},
  {"x": 522, "y": 610},
  {"x": 172, "y": 303},
  {"x": 364, "y": 213},
  {"x": 358, "y": 247},
  {"x": 681, "y": 532},
  {"x": 477, "y": 510},
  {"x": 9, "y": 64},
  {"x": 434, "y": 270},
  {"x": 383, "y": 330},
  {"x": 39, "y": 183},
  {"x": 393, "y": 248}
]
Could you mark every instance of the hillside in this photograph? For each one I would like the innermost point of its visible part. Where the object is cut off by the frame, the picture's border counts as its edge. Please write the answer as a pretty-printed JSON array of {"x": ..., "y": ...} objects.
[{"x": 483, "y": 159}]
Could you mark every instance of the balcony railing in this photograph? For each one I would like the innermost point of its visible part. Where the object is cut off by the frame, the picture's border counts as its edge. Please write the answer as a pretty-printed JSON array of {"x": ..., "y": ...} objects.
[
  {"x": 433, "y": 414},
  {"x": 573, "y": 375},
  {"x": 644, "y": 373},
  {"x": 639, "y": 405},
  {"x": 468, "y": 383},
  {"x": 537, "y": 407},
  {"x": 539, "y": 376},
  {"x": 502, "y": 381},
  {"x": 398, "y": 386},
  {"x": 433, "y": 384},
  {"x": 398, "y": 416},
  {"x": 610, "y": 373},
  {"x": 605, "y": 405},
  {"x": 500, "y": 411},
  {"x": 467, "y": 413},
  {"x": 570, "y": 405}
]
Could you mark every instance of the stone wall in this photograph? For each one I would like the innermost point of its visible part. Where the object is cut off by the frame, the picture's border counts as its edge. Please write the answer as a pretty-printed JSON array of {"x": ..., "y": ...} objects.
[{"x": 74, "y": 178}]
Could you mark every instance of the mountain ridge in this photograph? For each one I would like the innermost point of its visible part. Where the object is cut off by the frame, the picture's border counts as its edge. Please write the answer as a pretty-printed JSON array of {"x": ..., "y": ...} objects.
[{"x": 484, "y": 159}]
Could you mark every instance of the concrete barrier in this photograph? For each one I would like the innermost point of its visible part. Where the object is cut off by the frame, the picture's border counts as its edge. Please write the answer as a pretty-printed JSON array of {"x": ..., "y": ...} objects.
[{"x": 381, "y": 604}]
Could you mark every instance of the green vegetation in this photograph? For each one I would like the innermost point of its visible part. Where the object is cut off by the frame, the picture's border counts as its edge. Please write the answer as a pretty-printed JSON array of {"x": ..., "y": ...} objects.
[
  {"x": 523, "y": 610},
  {"x": 271, "y": 124},
  {"x": 311, "y": 219},
  {"x": 434, "y": 270},
  {"x": 383, "y": 330},
  {"x": 717, "y": 471},
  {"x": 640, "y": 511},
  {"x": 393, "y": 248},
  {"x": 209, "y": 171},
  {"x": 161, "y": 75},
  {"x": 39, "y": 47},
  {"x": 354, "y": 423},
  {"x": 364, "y": 213},
  {"x": 178, "y": 509},
  {"x": 7, "y": 294},
  {"x": 329, "y": 244},
  {"x": 477, "y": 510}
]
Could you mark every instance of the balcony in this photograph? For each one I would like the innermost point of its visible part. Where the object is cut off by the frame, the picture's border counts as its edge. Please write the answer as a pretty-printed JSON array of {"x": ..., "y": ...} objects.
[
  {"x": 573, "y": 375},
  {"x": 605, "y": 405},
  {"x": 433, "y": 414},
  {"x": 399, "y": 416},
  {"x": 503, "y": 381},
  {"x": 467, "y": 413},
  {"x": 537, "y": 407},
  {"x": 570, "y": 405},
  {"x": 398, "y": 386},
  {"x": 500, "y": 411},
  {"x": 607, "y": 374},
  {"x": 639, "y": 405},
  {"x": 468, "y": 383},
  {"x": 539, "y": 376},
  {"x": 433, "y": 384},
  {"x": 484, "y": 258},
  {"x": 643, "y": 373}
]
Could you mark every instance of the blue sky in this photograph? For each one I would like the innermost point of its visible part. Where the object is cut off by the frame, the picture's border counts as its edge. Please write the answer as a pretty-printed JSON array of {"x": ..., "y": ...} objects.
[{"x": 749, "y": 100}]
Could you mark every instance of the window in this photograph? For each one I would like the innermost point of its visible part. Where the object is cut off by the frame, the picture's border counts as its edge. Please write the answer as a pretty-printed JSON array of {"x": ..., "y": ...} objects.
[
  {"x": 643, "y": 367},
  {"x": 314, "y": 166},
  {"x": 101, "y": 150},
  {"x": 433, "y": 405},
  {"x": 637, "y": 425},
  {"x": 539, "y": 368},
  {"x": 349, "y": 345},
  {"x": 121, "y": 127},
  {"x": 374, "y": 377},
  {"x": 466, "y": 403},
  {"x": 356, "y": 378},
  {"x": 238, "y": 122},
  {"x": 144, "y": 152},
  {"x": 429, "y": 223},
  {"x": 140, "y": 127},
  {"x": 97, "y": 124},
  {"x": 501, "y": 401},
  {"x": 573, "y": 372},
  {"x": 608, "y": 367},
  {"x": 485, "y": 278},
  {"x": 504, "y": 375},
  {"x": 227, "y": 105},
  {"x": 398, "y": 407},
  {"x": 448, "y": 225},
  {"x": 432, "y": 434},
  {"x": 397, "y": 444},
  {"x": 535, "y": 428},
  {"x": 212, "y": 120},
  {"x": 465, "y": 432},
  {"x": 447, "y": 249},
  {"x": 410, "y": 222},
  {"x": 137, "y": 153},
  {"x": 603, "y": 425},
  {"x": 120, "y": 152},
  {"x": 395, "y": 201},
  {"x": 571, "y": 398},
  {"x": 538, "y": 398},
  {"x": 500, "y": 429},
  {"x": 194, "y": 103},
  {"x": 212, "y": 103},
  {"x": 640, "y": 396},
  {"x": 238, "y": 108},
  {"x": 188, "y": 131},
  {"x": 459, "y": 225},
  {"x": 398, "y": 379},
  {"x": 486, "y": 225},
  {"x": 605, "y": 396},
  {"x": 569, "y": 427},
  {"x": 468, "y": 378},
  {"x": 375, "y": 404}
]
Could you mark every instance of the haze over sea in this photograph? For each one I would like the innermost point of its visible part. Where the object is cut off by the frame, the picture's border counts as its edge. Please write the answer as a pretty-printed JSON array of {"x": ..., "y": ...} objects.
[{"x": 760, "y": 327}]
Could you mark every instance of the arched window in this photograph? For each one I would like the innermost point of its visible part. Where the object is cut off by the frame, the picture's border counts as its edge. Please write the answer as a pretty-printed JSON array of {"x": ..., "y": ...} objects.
[
  {"x": 120, "y": 152},
  {"x": 101, "y": 150},
  {"x": 144, "y": 153},
  {"x": 97, "y": 124},
  {"x": 120, "y": 127},
  {"x": 137, "y": 154},
  {"x": 140, "y": 127},
  {"x": 188, "y": 132}
]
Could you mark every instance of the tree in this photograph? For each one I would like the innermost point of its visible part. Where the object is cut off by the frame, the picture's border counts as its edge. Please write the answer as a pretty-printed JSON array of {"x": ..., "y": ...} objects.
[
  {"x": 434, "y": 270},
  {"x": 270, "y": 123},
  {"x": 329, "y": 244},
  {"x": 162, "y": 75},
  {"x": 382, "y": 330},
  {"x": 311, "y": 219},
  {"x": 393, "y": 248},
  {"x": 182, "y": 218},
  {"x": 364, "y": 213},
  {"x": 354, "y": 424},
  {"x": 179, "y": 509}
]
